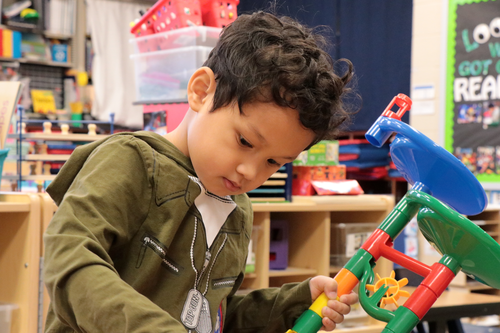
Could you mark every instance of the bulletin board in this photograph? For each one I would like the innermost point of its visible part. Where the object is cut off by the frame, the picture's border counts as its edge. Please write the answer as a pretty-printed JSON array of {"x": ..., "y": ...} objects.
[{"x": 472, "y": 115}]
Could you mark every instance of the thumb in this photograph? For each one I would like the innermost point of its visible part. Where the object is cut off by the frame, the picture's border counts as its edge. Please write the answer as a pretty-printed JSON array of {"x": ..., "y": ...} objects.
[{"x": 323, "y": 284}]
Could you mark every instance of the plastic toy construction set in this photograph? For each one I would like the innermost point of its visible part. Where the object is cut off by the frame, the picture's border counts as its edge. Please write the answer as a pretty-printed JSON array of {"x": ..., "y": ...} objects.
[{"x": 442, "y": 190}]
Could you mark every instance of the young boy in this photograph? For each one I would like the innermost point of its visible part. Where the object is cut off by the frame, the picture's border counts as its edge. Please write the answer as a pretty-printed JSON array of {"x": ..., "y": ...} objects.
[{"x": 152, "y": 232}]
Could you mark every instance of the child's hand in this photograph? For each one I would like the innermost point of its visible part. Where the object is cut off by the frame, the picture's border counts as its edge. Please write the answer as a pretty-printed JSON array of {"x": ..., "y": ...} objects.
[{"x": 335, "y": 310}]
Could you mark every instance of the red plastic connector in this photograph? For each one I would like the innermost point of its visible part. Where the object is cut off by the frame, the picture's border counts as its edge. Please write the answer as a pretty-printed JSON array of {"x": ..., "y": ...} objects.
[{"x": 404, "y": 103}]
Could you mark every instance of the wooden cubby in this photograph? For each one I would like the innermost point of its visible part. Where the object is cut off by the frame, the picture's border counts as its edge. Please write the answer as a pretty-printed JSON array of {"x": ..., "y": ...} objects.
[
  {"x": 309, "y": 228},
  {"x": 25, "y": 216},
  {"x": 310, "y": 220},
  {"x": 20, "y": 244}
]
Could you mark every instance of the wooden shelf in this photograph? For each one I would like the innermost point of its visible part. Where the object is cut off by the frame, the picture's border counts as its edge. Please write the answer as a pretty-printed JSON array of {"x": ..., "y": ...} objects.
[
  {"x": 335, "y": 269},
  {"x": 162, "y": 101},
  {"x": 250, "y": 276},
  {"x": 492, "y": 208},
  {"x": 52, "y": 35},
  {"x": 30, "y": 177},
  {"x": 292, "y": 271},
  {"x": 41, "y": 157},
  {"x": 474, "y": 285},
  {"x": 14, "y": 207},
  {"x": 38, "y": 62},
  {"x": 484, "y": 223},
  {"x": 39, "y": 173},
  {"x": 59, "y": 137},
  {"x": 367, "y": 202},
  {"x": 374, "y": 328}
]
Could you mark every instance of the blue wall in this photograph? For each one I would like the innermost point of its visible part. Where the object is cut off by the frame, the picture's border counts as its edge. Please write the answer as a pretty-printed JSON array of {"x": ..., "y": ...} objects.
[{"x": 374, "y": 35}]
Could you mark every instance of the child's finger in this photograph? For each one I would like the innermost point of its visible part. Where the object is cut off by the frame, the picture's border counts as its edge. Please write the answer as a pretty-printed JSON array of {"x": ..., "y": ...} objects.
[
  {"x": 335, "y": 313},
  {"x": 328, "y": 324},
  {"x": 350, "y": 299},
  {"x": 338, "y": 307},
  {"x": 331, "y": 289}
]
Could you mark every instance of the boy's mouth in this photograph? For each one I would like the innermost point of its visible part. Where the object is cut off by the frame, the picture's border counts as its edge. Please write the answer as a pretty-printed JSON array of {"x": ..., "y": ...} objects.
[{"x": 231, "y": 186}]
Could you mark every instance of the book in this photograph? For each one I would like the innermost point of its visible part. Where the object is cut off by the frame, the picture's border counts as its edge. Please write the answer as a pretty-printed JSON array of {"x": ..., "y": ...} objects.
[
  {"x": 10, "y": 92},
  {"x": 43, "y": 101},
  {"x": 1, "y": 41},
  {"x": 34, "y": 47},
  {"x": 16, "y": 44},
  {"x": 7, "y": 43},
  {"x": 60, "y": 52},
  {"x": 60, "y": 16}
]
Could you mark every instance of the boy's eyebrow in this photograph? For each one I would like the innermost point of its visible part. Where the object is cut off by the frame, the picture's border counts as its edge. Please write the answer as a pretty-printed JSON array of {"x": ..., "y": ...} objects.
[
  {"x": 256, "y": 132},
  {"x": 263, "y": 140}
]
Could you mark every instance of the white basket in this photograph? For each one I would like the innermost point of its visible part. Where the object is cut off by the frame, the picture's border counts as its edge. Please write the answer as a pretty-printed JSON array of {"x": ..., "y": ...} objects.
[
  {"x": 178, "y": 38},
  {"x": 164, "y": 75}
]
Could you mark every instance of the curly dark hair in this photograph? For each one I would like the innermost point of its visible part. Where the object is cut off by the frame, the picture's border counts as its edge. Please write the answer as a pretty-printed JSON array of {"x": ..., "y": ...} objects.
[{"x": 276, "y": 59}]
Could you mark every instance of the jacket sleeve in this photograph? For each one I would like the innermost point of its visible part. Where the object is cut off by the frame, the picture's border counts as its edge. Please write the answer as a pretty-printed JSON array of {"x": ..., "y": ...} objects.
[
  {"x": 103, "y": 208},
  {"x": 267, "y": 310}
]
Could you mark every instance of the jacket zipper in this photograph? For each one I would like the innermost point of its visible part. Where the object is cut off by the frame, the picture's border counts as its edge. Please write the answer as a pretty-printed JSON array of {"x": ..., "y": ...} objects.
[
  {"x": 208, "y": 255},
  {"x": 228, "y": 282},
  {"x": 159, "y": 249}
]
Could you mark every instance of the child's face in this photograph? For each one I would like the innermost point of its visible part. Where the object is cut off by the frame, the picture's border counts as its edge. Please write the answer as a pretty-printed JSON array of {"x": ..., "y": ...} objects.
[{"x": 234, "y": 153}]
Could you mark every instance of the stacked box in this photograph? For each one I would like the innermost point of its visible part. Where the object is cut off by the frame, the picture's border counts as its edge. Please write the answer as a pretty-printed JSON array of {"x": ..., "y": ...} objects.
[
  {"x": 325, "y": 152},
  {"x": 164, "y": 62},
  {"x": 303, "y": 176},
  {"x": 346, "y": 239}
]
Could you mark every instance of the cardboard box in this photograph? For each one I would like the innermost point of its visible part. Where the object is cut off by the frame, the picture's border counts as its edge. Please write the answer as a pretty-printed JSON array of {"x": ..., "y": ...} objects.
[
  {"x": 304, "y": 175},
  {"x": 323, "y": 153}
]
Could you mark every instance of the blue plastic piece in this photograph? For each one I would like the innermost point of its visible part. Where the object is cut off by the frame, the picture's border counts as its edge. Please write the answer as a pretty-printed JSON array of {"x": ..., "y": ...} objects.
[
  {"x": 432, "y": 168},
  {"x": 3, "y": 155},
  {"x": 364, "y": 148},
  {"x": 363, "y": 164}
]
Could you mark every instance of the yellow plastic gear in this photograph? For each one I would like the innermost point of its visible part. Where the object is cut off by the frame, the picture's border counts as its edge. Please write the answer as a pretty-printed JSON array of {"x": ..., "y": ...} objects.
[{"x": 393, "y": 293}]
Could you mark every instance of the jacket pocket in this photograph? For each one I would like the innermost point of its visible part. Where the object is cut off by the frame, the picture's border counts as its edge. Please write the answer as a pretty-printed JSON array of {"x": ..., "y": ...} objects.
[
  {"x": 227, "y": 282},
  {"x": 150, "y": 242}
]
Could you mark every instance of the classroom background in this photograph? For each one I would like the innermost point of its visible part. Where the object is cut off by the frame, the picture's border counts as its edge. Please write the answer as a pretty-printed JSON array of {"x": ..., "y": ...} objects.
[{"x": 90, "y": 68}]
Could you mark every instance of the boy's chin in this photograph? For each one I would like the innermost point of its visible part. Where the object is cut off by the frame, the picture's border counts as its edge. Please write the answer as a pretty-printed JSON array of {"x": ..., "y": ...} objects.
[
  {"x": 223, "y": 193},
  {"x": 218, "y": 192}
]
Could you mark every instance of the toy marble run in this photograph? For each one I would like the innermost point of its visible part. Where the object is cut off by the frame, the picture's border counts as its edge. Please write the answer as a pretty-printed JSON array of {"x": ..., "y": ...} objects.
[{"x": 442, "y": 190}]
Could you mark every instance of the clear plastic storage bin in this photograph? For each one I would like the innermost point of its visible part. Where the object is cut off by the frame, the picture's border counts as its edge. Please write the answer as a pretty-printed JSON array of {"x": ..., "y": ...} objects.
[
  {"x": 346, "y": 239},
  {"x": 164, "y": 75},
  {"x": 6, "y": 316},
  {"x": 178, "y": 38}
]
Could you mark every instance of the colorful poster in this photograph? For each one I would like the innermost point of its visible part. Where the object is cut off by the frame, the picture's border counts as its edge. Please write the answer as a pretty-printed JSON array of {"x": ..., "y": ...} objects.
[
  {"x": 9, "y": 96},
  {"x": 472, "y": 125}
]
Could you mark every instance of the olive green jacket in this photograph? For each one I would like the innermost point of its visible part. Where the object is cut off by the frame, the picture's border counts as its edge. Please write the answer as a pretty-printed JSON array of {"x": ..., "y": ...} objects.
[{"x": 127, "y": 245}]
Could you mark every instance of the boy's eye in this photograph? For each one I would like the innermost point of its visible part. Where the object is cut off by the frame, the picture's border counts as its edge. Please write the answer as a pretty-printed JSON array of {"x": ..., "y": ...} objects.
[
  {"x": 244, "y": 142},
  {"x": 273, "y": 162}
]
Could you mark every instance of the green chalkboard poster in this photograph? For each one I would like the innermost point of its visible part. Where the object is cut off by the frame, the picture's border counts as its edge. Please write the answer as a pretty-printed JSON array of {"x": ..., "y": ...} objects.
[{"x": 472, "y": 118}]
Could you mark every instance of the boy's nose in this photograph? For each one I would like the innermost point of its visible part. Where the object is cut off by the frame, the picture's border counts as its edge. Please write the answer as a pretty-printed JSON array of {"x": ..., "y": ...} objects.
[{"x": 248, "y": 170}]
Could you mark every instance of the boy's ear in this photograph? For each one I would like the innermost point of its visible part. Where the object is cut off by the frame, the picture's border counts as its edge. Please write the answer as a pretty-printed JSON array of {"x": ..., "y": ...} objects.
[{"x": 200, "y": 88}]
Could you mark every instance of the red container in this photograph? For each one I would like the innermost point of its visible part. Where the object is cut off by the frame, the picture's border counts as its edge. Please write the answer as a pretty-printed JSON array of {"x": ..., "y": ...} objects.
[
  {"x": 167, "y": 15},
  {"x": 218, "y": 13}
]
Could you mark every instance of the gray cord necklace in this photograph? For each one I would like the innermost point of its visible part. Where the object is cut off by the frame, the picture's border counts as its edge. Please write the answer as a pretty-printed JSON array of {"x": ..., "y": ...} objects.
[{"x": 196, "y": 311}]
